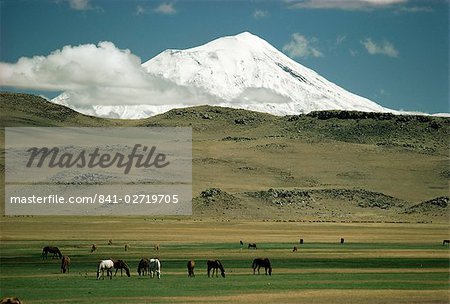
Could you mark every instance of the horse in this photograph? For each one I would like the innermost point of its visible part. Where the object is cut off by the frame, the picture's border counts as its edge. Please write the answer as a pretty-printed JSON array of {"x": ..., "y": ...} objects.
[
  {"x": 65, "y": 264},
  {"x": 110, "y": 242},
  {"x": 10, "y": 301},
  {"x": 294, "y": 249},
  {"x": 262, "y": 262},
  {"x": 215, "y": 265},
  {"x": 143, "y": 267},
  {"x": 120, "y": 264},
  {"x": 107, "y": 265},
  {"x": 252, "y": 245},
  {"x": 445, "y": 242},
  {"x": 241, "y": 242},
  {"x": 56, "y": 252},
  {"x": 342, "y": 240},
  {"x": 154, "y": 266},
  {"x": 301, "y": 241},
  {"x": 156, "y": 247},
  {"x": 190, "y": 267},
  {"x": 93, "y": 248},
  {"x": 127, "y": 247}
]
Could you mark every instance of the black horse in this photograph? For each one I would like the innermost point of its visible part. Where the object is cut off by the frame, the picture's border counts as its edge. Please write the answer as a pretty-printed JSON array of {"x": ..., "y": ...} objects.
[
  {"x": 252, "y": 245},
  {"x": 143, "y": 267},
  {"x": 49, "y": 249},
  {"x": 262, "y": 262},
  {"x": 120, "y": 264},
  {"x": 445, "y": 242},
  {"x": 215, "y": 265}
]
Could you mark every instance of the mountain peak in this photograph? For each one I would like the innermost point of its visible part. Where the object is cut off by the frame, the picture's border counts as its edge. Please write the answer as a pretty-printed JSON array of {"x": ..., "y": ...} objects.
[{"x": 244, "y": 71}]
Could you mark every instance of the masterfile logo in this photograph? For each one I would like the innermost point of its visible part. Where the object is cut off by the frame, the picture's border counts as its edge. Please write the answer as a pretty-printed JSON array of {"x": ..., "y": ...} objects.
[{"x": 98, "y": 171}]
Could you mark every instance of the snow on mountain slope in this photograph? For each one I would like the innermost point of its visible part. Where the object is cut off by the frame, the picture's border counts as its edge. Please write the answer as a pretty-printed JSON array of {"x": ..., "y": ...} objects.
[{"x": 242, "y": 71}]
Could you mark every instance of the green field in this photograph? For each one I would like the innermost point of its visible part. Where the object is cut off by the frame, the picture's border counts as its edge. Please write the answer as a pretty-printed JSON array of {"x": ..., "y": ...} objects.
[{"x": 378, "y": 263}]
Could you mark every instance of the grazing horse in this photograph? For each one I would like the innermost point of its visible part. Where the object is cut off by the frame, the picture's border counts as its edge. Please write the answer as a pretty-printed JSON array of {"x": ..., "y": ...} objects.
[
  {"x": 262, "y": 262},
  {"x": 107, "y": 265},
  {"x": 445, "y": 242},
  {"x": 65, "y": 264},
  {"x": 215, "y": 265},
  {"x": 294, "y": 249},
  {"x": 154, "y": 266},
  {"x": 48, "y": 249},
  {"x": 190, "y": 267},
  {"x": 120, "y": 264},
  {"x": 143, "y": 267},
  {"x": 252, "y": 245},
  {"x": 10, "y": 301},
  {"x": 93, "y": 248}
]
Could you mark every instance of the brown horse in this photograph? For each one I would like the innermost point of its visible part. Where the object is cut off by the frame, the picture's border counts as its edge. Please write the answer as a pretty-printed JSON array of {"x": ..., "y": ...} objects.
[
  {"x": 294, "y": 249},
  {"x": 65, "y": 264},
  {"x": 143, "y": 267},
  {"x": 93, "y": 248},
  {"x": 120, "y": 264},
  {"x": 127, "y": 247},
  {"x": 252, "y": 245},
  {"x": 215, "y": 265},
  {"x": 262, "y": 262},
  {"x": 49, "y": 249},
  {"x": 190, "y": 267}
]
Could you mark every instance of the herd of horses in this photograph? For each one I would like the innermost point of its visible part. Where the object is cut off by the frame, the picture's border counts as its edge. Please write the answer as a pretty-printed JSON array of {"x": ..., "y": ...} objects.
[{"x": 152, "y": 267}]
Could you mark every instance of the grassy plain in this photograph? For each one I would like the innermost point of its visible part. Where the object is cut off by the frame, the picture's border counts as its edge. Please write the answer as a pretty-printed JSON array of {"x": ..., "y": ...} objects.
[{"x": 379, "y": 263}]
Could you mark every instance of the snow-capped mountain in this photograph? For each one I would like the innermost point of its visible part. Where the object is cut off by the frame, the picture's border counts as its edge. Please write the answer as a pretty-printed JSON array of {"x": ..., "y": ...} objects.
[{"x": 242, "y": 71}]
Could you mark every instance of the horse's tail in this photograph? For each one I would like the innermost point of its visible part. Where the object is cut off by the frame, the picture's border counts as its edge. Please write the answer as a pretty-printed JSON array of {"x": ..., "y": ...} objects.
[
  {"x": 255, "y": 263},
  {"x": 98, "y": 270}
]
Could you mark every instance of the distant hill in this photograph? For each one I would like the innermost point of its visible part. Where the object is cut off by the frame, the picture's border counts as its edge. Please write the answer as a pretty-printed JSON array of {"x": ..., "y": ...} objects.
[{"x": 320, "y": 166}]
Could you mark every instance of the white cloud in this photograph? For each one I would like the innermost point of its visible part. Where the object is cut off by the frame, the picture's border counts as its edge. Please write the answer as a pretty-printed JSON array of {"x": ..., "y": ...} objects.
[
  {"x": 259, "y": 14},
  {"x": 96, "y": 75},
  {"x": 80, "y": 5},
  {"x": 415, "y": 9},
  {"x": 344, "y": 4},
  {"x": 340, "y": 39},
  {"x": 140, "y": 10},
  {"x": 302, "y": 47},
  {"x": 383, "y": 48},
  {"x": 166, "y": 9}
]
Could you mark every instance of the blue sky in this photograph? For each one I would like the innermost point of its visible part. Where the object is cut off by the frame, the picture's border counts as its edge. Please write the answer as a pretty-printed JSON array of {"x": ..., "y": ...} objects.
[{"x": 394, "y": 52}]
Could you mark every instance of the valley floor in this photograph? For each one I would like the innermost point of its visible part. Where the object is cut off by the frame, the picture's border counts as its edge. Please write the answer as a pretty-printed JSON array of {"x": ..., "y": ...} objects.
[{"x": 378, "y": 263}]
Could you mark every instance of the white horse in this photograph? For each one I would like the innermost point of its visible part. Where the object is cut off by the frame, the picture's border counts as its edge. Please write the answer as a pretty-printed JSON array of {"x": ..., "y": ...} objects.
[
  {"x": 155, "y": 266},
  {"x": 107, "y": 265}
]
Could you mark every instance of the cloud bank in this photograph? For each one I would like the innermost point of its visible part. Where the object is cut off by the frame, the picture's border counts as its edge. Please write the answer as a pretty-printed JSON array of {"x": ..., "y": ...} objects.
[
  {"x": 350, "y": 5},
  {"x": 97, "y": 75}
]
